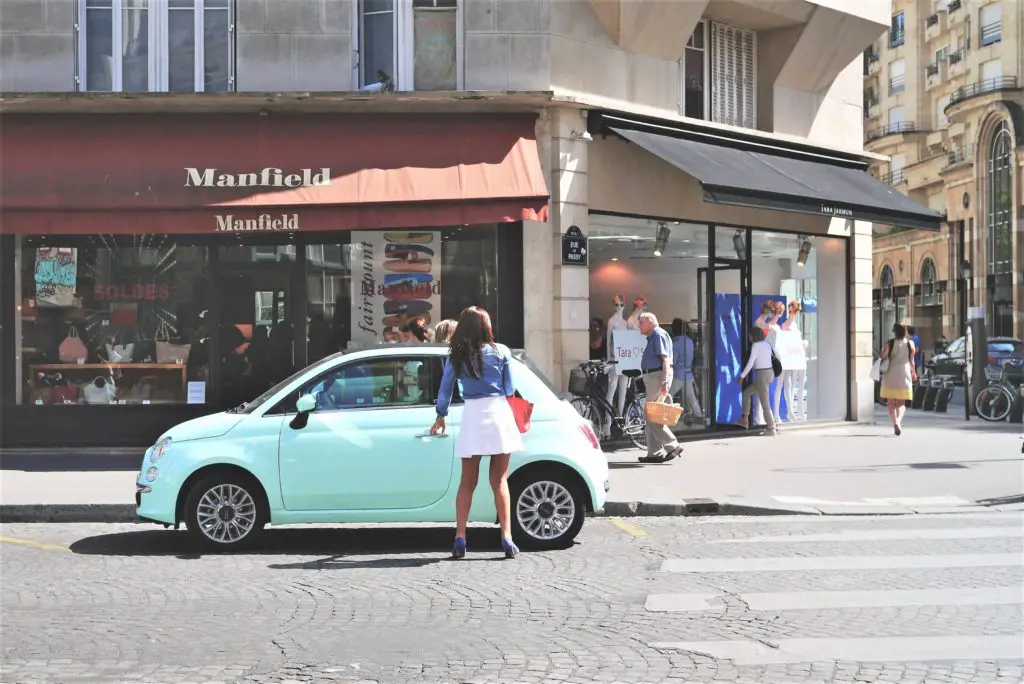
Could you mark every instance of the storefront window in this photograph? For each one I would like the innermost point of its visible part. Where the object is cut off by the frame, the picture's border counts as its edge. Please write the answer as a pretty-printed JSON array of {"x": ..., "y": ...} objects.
[
  {"x": 805, "y": 277},
  {"x": 113, "y": 320}
]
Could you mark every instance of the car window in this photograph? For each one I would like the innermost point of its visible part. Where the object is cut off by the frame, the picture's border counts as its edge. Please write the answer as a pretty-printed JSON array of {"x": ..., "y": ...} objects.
[
  {"x": 1006, "y": 347},
  {"x": 956, "y": 346},
  {"x": 393, "y": 381}
]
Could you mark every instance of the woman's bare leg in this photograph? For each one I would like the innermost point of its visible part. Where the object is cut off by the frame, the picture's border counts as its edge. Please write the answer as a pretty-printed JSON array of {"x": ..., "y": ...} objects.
[
  {"x": 499, "y": 484},
  {"x": 464, "y": 499}
]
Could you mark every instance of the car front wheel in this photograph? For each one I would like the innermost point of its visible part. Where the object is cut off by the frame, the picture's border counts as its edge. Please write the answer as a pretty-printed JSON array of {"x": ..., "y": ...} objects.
[
  {"x": 548, "y": 509},
  {"x": 225, "y": 511}
]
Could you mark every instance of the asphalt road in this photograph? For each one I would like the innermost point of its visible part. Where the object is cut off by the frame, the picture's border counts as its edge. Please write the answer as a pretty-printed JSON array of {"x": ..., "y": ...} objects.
[{"x": 925, "y": 598}]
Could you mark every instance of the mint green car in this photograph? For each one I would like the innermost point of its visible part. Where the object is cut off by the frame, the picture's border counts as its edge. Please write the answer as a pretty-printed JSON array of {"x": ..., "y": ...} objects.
[{"x": 347, "y": 440}]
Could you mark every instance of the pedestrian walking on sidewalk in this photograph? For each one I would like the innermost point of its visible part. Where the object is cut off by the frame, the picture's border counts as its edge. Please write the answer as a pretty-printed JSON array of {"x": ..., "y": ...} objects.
[
  {"x": 760, "y": 361},
  {"x": 899, "y": 377},
  {"x": 656, "y": 366},
  {"x": 488, "y": 425}
]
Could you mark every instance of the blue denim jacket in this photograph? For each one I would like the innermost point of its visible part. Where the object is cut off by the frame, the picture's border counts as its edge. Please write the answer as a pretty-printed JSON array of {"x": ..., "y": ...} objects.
[{"x": 495, "y": 381}]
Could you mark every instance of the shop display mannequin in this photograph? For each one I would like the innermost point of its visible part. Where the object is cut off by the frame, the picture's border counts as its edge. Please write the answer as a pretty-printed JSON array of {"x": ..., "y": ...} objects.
[
  {"x": 639, "y": 307},
  {"x": 794, "y": 368},
  {"x": 616, "y": 380}
]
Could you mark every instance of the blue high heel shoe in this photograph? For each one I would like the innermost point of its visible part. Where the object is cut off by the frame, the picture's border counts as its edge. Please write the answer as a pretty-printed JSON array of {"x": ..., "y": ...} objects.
[
  {"x": 511, "y": 550},
  {"x": 459, "y": 550}
]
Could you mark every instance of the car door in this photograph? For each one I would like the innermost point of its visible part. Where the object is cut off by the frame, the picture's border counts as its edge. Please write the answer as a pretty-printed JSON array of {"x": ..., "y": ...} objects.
[{"x": 367, "y": 446}]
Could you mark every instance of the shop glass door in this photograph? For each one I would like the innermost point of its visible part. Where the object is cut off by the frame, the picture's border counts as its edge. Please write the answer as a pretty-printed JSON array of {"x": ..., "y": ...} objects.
[{"x": 728, "y": 322}]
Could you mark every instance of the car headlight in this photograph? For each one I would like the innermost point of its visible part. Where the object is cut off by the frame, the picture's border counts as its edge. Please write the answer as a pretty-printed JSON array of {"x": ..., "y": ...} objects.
[
  {"x": 159, "y": 449},
  {"x": 152, "y": 474}
]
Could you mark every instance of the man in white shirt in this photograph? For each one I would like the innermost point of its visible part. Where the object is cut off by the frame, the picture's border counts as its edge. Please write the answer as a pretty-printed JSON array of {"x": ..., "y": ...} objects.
[{"x": 760, "y": 361}]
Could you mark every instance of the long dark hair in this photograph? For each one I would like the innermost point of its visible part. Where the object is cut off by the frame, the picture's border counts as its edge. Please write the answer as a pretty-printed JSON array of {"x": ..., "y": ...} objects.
[{"x": 471, "y": 334}]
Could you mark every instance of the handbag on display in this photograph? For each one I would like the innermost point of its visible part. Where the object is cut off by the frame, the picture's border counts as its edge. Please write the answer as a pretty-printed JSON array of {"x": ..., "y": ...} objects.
[
  {"x": 522, "y": 410},
  {"x": 124, "y": 313},
  {"x": 72, "y": 349},
  {"x": 120, "y": 353},
  {"x": 100, "y": 391},
  {"x": 167, "y": 352}
]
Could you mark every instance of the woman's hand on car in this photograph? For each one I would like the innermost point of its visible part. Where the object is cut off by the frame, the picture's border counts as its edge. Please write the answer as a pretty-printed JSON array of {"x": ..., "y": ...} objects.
[{"x": 438, "y": 426}]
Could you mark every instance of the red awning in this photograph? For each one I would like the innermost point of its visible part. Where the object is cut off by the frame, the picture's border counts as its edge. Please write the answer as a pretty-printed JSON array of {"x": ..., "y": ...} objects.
[{"x": 213, "y": 173}]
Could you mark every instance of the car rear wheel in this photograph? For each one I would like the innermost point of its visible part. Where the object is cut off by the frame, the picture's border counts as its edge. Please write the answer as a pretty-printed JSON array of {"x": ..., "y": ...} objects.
[
  {"x": 548, "y": 509},
  {"x": 225, "y": 511}
]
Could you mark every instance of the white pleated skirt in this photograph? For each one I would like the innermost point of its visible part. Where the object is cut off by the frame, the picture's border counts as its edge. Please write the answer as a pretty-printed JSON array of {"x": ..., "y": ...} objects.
[{"x": 488, "y": 427}]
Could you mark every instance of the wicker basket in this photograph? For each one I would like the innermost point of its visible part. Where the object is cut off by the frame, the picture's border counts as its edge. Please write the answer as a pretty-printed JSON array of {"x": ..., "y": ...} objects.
[
  {"x": 663, "y": 414},
  {"x": 577, "y": 382}
]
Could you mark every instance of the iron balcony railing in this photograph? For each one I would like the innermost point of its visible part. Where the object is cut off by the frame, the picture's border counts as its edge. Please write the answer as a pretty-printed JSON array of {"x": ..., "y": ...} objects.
[
  {"x": 932, "y": 20},
  {"x": 897, "y": 38},
  {"x": 988, "y": 85},
  {"x": 895, "y": 177},
  {"x": 993, "y": 33},
  {"x": 962, "y": 155},
  {"x": 869, "y": 59},
  {"x": 931, "y": 70},
  {"x": 954, "y": 5},
  {"x": 891, "y": 129},
  {"x": 955, "y": 57}
]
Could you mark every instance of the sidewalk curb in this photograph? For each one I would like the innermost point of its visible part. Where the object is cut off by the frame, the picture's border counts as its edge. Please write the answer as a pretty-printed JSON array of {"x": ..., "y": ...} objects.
[{"x": 68, "y": 513}]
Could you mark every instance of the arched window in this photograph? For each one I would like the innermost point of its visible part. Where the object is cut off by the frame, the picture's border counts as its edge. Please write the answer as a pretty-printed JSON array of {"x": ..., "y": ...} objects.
[
  {"x": 1000, "y": 201},
  {"x": 928, "y": 278},
  {"x": 886, "y": 283}
]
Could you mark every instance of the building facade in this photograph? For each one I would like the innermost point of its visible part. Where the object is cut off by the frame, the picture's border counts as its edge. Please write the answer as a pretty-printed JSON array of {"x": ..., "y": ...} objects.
[
  {"x": 201, "y": 197},
  {"x": 944, "y": 100}
]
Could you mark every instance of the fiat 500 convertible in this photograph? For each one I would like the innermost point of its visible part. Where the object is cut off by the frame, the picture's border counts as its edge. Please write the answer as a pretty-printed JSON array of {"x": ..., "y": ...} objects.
[{"x": 347, "y": 440}]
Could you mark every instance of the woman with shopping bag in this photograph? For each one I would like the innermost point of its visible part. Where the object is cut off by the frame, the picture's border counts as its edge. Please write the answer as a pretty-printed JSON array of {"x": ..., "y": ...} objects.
[{"x": 489, "y": 422}]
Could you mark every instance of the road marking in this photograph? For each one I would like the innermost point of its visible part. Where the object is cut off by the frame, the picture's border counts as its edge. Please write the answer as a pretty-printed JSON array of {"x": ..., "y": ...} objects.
[
  {"x": 882, "y": 535},
  {"x": 627, "y": 528},
  {"x": 898, "y": 649},
  {"x": 800, "y": 563},
  {"x": 823, "y": 600},
  {"x": 44, "y": 546}
]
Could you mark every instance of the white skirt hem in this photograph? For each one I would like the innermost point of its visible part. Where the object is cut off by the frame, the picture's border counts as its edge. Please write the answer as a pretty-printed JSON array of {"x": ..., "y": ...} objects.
[{"x": 488, "y": 427}]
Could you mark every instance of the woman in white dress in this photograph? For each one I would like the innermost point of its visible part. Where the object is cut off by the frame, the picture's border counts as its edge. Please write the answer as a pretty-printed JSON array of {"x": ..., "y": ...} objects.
[{"x": 488, "y": 425}]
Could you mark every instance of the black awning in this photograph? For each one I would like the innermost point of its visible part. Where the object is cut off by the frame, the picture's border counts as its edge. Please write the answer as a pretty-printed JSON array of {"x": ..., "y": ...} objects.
[{"x": 730, "y": 174}]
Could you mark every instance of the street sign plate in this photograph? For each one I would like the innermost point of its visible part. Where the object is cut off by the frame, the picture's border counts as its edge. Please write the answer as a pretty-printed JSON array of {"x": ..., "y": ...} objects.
[{"x": 574, "y": 248}]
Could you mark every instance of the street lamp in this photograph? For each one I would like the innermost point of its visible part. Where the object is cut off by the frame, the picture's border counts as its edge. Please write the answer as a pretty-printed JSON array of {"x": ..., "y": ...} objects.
[
  {"x": 965, "y": 278},
  {"x": 965, "y": 273}
]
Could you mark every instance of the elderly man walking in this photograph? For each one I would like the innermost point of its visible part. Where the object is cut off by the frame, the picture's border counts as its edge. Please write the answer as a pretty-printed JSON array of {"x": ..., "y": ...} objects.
[{"x": 656, "y": 366}]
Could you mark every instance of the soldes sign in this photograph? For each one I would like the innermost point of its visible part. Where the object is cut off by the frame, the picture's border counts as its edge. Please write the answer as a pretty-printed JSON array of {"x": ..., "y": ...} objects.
[{"x": 132, "y": 293}]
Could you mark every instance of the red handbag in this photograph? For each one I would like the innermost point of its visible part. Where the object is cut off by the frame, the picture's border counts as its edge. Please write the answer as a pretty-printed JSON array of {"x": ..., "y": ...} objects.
[{"x": 522, "y": 410}]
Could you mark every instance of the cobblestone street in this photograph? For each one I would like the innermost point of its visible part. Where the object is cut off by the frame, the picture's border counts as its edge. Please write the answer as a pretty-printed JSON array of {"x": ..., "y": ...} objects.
[{"x": 812, "y": 599}]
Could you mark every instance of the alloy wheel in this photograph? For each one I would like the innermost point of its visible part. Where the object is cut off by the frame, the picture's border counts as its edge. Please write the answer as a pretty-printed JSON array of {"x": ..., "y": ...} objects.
[
  {"x": 545, "y": 510},
  {"x": 226, "y": 513}
]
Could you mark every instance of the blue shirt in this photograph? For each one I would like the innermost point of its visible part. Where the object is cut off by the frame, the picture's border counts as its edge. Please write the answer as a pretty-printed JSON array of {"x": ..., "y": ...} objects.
[
  {"x": 682, "y": 356},
  {"x": 918, "y": 353},
  {"x": 494, "y": 381},
  {"x": 658, "y": 344}
]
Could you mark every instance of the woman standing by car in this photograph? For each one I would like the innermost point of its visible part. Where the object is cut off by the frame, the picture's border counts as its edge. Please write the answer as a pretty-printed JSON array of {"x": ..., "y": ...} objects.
[
  {"x": 488, "y": 424},
  {"x": 898, "y": 379}
]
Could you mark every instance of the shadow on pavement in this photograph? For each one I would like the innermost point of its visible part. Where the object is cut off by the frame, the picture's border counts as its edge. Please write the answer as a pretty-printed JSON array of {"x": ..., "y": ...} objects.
[
  {"x": 314, "y": 541},
  {"x": 1001, "y": 500}
]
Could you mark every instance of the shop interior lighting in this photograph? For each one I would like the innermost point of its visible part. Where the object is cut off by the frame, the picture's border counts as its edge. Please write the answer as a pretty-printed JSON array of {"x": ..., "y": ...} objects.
[
  {"x": 661, "y": 241},
  {"x": 740, "y": 245},
  {"x": 805, "y": 251}
]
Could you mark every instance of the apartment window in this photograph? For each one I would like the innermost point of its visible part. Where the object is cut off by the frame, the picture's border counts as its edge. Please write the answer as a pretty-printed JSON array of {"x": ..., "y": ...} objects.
[
  {"x": 942, "y": 54},
  {"x": 409, "y": 44},
  {"x": 897, "y": 115},
  {"x": 694, "y": 74},
  {"x": 733, "y": 76},
  {"x": 940, "y": 112},
  {"x": 156, "y": 45},
  {"x": 991, "y": 20},
  {"x": 897, "y": 77},
  {"x": 897, "y": 32},
  {"x": 929, "y": 275},
  {"x": 1000, "y": 200},
  {"x": 991, "y": 72}
]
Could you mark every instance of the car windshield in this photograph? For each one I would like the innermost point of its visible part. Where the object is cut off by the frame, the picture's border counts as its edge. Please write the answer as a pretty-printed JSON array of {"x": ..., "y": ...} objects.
[
  {"x": 521, "y": 356},
  {"x": 250, "y": 406},
  {"x": 1006, "y": 347}
]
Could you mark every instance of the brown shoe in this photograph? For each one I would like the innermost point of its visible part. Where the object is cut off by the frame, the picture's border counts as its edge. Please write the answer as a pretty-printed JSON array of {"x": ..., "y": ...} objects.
[{"x": 743, "y": 424}]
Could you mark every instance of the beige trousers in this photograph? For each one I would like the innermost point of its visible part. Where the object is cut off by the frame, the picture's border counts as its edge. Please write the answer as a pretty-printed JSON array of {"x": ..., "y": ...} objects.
[
  {"x": 762, "y": 381},
  {"x": 659, "y": 438}
]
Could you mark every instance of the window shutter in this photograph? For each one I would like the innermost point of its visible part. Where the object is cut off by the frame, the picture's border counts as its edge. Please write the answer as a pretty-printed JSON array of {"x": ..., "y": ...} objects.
[{"x": 733, "y": 76}]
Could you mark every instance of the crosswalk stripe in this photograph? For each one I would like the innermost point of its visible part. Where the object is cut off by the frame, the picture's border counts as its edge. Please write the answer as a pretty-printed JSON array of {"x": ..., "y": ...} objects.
[
  {"x": 1008, "y": 531},
  {"x": 900, "y": 649},
  {"x": 823, "y": 600},
  {"x": 798, "y": 563}
]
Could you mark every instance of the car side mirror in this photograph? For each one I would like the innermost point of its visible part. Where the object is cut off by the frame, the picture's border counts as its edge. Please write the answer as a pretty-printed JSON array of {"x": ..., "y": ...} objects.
[{"x": 305, "y": 405}]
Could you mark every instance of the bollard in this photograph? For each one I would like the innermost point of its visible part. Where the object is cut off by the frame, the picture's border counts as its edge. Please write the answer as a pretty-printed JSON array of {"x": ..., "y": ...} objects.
[
  {"x": 931, "y": 393},
  {"x": 1017, "y": 410},
  {"x": 919, "y": 391},
  {"x": 944, "y": 395}
]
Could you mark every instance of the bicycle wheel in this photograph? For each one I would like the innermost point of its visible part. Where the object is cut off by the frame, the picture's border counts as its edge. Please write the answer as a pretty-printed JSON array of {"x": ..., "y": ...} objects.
[
  {"x": 588, "y": 409},
  {"x": 993, "y": 403},
  {"x": 634, "y": 423}
]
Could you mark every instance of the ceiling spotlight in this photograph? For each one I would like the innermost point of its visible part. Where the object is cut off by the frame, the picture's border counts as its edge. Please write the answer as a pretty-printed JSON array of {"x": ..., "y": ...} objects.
[
  {"x": 615, "y": 258},
  {"x": 739, "y": 243},
  {"x": 661, "y": 241},
  {"x": 805, "y": 251}
]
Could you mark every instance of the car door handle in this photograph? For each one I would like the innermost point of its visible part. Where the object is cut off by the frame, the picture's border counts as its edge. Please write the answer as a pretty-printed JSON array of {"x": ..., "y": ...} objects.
[{"x": 440, "y": 435}]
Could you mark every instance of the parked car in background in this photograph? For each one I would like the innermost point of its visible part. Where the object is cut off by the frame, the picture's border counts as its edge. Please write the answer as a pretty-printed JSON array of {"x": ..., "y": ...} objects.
[
  {"x": 951, "y": 361},
  {"x": 347, "y": 440}
]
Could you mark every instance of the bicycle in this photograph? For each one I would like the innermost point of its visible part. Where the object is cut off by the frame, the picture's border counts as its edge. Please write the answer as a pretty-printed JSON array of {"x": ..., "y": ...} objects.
[
  {"x": 995, "y": 402},
  {"x": 590, "y": 401}
]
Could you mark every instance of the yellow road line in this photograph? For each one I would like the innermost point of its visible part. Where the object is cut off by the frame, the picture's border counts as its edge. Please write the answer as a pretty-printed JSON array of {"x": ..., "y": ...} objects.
[
  {"x": 627, "y": 528},
  {"x": 43, "y": 546}
]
